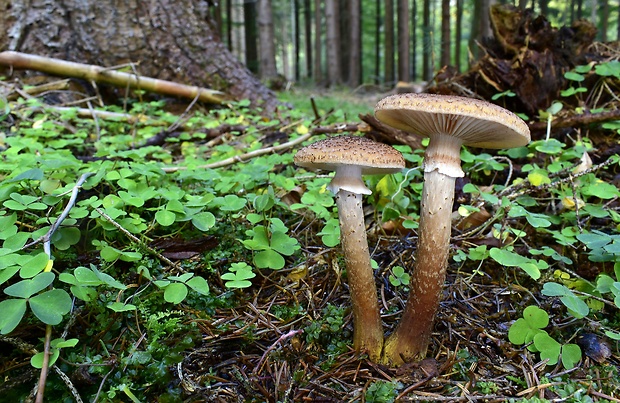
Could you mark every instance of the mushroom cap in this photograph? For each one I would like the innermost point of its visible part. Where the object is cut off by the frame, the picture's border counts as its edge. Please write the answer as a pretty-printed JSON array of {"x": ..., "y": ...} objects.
[
  {"x": 371, "y": 157},
  {"x": 475, "y": 122}
]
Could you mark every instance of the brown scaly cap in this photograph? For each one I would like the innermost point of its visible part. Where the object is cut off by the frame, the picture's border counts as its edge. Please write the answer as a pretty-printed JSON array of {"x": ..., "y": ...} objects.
[
  {"x": 372, "y": 157},
  {"x": 477, "y": 123}
]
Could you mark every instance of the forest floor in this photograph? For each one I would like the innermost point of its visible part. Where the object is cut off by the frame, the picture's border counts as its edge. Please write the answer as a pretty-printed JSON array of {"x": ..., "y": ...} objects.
[{"x": 283, "y": 332}]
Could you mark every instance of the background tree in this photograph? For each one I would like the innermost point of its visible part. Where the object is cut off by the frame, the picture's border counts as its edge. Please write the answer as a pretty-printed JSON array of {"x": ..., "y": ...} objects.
[
  {"x": 427, "y": 53},
  {"x": 355, "y": 43},
  {"x": 171, "y": 40},
  {"x": 458, "y": 34},
  {"x": 251, "y": 48},
  {"x": 480, "y": 26},
  {"x": 403, "y": 40},
  {"x": 388, "y": 47},
  {"x": 445, "y": 33},
  {"x": 266, "y": 40},
  {"x": 332, "y": 42}
]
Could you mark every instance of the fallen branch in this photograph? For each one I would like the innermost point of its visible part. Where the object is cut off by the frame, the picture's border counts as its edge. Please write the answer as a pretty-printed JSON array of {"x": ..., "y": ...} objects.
[
  {"x": 100, "y": 74},
  {"x": 578, "y": 120},
  {"x": 252, "y": 154}
]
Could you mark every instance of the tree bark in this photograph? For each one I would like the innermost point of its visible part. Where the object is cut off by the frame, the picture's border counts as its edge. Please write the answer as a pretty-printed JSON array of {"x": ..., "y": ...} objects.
[
  {"x": 458, "y": 35},
  {"x": 403, "y": 41},
  {"x": 251, "y": 47},
  {"x": 389, "y": 41},
  {"x": 428, "y": 55},
  {"x": 355, "y": 43},
  {"x": 414, "y": 39},
  {"x": 169, "y": 40},
  {"x": 308, "y": 36},
  {"x": 318, "y": 44},
  {"x": 332, "y": 42},
  {"x": 445, "y": 33},
  {"x": 266, "y": 41}
]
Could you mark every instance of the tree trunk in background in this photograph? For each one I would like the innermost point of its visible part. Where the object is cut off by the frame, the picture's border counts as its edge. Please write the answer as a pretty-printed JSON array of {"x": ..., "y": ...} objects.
[
  {"x": 238, "y": 33},
  {"x": 403, "y": 41},
  {"x": 266, "y": 40},
  {"x": 170, "y": 40},
  {"x": 458, "y": 35},
  {"x": 389, "y": 42},
  {"x": 229, "y": 24},
  {"x": 604, "y": 20},
  {"x": 618, "y": 23},
  {"x": 593, "y": 16},
  {"x": 544, "y": 7},
  {"x": 480, "y": 26},
  {"x": 308, "y": 36},
  {"x": 378, "y": 27},
  {"x": 355, "y": 43},
  {"x": 414, "y": 39},
  {"x": 318, "y": 56},
  {"x": 331, "y": 42},
  {"x": 427, "y": 46},
  {"x": 344, "y": 48},
  {"x": 445, "y": 33},
  {"x": 297, "y": 33},
  {"x": 251, "y": 48}
]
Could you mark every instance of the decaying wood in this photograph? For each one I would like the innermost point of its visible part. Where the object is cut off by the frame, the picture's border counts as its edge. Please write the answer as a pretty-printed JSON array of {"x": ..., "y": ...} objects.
[
  {"x": 578, "y": 120},
  {"x": 389, "y": 135},
  {"x": 98, "y": 74},
  {"x": 527, "y": 56}
]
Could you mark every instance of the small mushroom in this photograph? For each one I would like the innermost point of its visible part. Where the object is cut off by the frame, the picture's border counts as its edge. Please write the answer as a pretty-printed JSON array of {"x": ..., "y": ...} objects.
[
  {"x": 449, "y": 122},
  {"x": 351, "y": 157}
]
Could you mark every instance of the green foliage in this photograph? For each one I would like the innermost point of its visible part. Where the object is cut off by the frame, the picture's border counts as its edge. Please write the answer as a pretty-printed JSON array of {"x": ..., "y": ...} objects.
[
  {"x": 383, "y": 391},
  {"x": 399, "y": 277},
  {"x": 528, "y": 330},
  {"x": 239, "y": 275}
]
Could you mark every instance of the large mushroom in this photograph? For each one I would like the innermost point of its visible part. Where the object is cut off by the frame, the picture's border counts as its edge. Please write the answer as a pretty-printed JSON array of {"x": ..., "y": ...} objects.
[
  {"x": 351, "y": 157},
  {"x": 449, "y": 122}
]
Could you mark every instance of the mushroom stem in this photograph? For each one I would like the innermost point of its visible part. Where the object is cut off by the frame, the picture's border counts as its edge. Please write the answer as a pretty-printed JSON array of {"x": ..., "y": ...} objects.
[
  {"x": 411, "y": 338},
  {"x": 367, "y": 327}
]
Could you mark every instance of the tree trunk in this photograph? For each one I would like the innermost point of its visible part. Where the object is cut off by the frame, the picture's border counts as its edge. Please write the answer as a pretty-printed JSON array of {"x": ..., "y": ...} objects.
[
  {"x": 308, "y": 36},
  {"x": 266, "y": 40},
  {"x": 604, "y": 20},
  {"x": 332, "y": 42},
  {"x": 318, "y": 43},
  {"x": 403, "y": 40},
  {"x": 414, "y": 39},
  {"x": 480, "y": 26},
  {"x": 427, "y": 46},
  {"x": 378, "y": 27},
  {"x": 251, "y": 48},
  {"x": 297, "y": 35},
  {"x": 355, "y": 43},
  {"x": 170, "y": 40},
  {"x": 445, "y": 33},
  {"x": 458, "y": 35},
  {"x": 389, "y": 41}
]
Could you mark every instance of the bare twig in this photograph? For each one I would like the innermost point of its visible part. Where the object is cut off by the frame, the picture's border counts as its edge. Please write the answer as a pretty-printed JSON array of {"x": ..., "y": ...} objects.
[
  {"x": 246, "y": 156},
  {"x": 273, "y": 346},
  {"x": 136, "y": 239},
  {"x": 100, "y": 74}
]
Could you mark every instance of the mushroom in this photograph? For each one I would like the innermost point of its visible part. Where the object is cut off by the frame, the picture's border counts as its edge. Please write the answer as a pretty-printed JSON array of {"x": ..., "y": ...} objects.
[
  {"x": 449, "y": 122},
  {"x": 351, "y": 157}
]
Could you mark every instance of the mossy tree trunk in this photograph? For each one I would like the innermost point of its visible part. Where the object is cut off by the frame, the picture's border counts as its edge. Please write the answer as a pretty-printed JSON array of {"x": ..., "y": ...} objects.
[{"x": 170, "y": 40}]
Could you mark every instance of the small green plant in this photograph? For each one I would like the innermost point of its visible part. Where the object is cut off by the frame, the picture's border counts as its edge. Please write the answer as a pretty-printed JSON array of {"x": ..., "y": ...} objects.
[
  {"x": 529, "y": 330},
  {"x": 399, "y": 277},
  {"x": 239, "y": 275},
  {"x": 176, "y": 287},
  {"x": 383, "y": 391}
]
